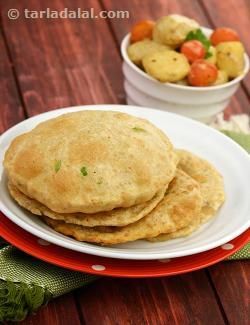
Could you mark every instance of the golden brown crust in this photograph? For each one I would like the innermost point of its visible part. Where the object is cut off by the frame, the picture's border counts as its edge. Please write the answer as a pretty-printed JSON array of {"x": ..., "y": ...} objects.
[
  {"x": 183, "y": 232},
  {"x": 210, "y": 180},
  {"x": 179, "y": 207},
  {"x": 125, "y": 160},
  {"x": 212, "y": 192},
  {"x": 117, "y": 217}
]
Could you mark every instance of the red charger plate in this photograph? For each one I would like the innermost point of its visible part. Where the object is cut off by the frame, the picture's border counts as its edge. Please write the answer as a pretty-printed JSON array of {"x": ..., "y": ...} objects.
[{"x": 76, "y": 261}]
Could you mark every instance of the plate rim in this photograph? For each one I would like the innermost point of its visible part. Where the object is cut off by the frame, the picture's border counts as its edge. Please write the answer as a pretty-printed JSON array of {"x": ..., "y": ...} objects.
[
  {"x": 119, "y": 254},
  {"x": 244, "y": 239}
]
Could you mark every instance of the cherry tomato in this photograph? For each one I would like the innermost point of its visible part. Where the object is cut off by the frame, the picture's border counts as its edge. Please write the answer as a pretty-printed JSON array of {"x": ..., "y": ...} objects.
[
  {"x": 223, "y": 34},
  {"x": 202, "y": 73},
  {"x": 142, "y": 30},
  {"x": 193, "y": 50}
]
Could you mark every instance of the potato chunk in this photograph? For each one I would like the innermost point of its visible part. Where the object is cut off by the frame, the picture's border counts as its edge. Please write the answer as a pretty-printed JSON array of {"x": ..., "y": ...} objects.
[
  {"x": 222, "y": 78},
  {"x": 166, "y": 66},
  {"x": 172, "y": 30},
  {"x": 138, "y": 50},
  {"x": 230, "y": 58}
]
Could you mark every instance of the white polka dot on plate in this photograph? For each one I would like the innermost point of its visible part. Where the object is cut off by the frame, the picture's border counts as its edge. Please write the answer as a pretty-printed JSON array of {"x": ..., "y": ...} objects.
[
  {"x": 165, "y": 260},
  {"x": 43, "y": 242},
  {"x": 227, "y": 246},
  {"x": 98, "y": 267}
]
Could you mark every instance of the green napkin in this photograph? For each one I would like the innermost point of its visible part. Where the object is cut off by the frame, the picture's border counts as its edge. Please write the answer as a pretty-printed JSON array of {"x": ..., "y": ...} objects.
[
  {"x": 241, "y": 138},
  {"x": 242, "y": 254},
  {"x": 27, "y": 283}
]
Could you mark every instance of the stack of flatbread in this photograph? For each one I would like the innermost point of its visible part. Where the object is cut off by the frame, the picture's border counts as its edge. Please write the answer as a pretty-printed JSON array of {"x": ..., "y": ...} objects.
[{"x": 107, "y": 177}]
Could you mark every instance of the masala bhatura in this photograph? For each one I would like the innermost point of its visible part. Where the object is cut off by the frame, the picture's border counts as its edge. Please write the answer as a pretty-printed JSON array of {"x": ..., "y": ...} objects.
[{"x": 107, "y": 177}]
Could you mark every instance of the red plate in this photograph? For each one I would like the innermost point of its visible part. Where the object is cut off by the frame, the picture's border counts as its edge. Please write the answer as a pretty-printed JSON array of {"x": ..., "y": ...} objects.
[{"x": 113, "y": 267}]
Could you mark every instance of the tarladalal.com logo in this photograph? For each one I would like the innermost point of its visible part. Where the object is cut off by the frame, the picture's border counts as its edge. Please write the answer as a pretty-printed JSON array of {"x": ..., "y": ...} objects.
[{"x": 67, "y": 13}]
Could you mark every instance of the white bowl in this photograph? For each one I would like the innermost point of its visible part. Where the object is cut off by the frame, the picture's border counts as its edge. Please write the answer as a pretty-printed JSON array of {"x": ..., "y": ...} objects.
[
  {"x": 135, "y": 96},
  {"x": 200, "y": 103}
]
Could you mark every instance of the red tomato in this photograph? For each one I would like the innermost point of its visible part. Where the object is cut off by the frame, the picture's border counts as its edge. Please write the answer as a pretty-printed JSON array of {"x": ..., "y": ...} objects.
[
  {"x": 193, "y": 50},
  {"x": 223, "y": 34},
  {"x": 142, "y": 30},
  {"x": 202, "y": 73}
]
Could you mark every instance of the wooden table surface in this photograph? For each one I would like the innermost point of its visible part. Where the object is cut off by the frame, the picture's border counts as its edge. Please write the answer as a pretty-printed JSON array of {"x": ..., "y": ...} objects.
[{"x": 51, "y": 63}]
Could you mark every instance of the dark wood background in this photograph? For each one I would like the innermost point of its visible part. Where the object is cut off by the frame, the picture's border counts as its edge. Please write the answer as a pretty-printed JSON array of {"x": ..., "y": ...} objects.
[{"x": 51, "y": 63}]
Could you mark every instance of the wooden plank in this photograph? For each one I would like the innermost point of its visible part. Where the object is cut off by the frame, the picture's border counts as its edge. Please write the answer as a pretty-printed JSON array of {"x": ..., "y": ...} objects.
[
  {"x": 234, "y": 14},
  {"x": 60, "y": 63},
  {"x": 55, "y": 68},
  {"x": 232, "y": 282},
  {"x": 11, "y": 111},
  {"x": 170, "y": 300},
  {"x": 63, "y": 62},
  {"x": 140, "y": 10},
  {"x": 60, "y": 311},
  {"x": 148, "y": 9}
]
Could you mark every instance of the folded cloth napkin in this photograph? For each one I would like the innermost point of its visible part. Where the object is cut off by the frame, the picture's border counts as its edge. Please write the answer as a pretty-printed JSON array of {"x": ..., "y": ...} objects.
[{"x": 27, "y": 283}]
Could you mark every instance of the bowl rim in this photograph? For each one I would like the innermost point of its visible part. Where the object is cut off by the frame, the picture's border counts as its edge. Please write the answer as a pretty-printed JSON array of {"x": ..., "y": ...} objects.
[{"x": 123, "y": 48}]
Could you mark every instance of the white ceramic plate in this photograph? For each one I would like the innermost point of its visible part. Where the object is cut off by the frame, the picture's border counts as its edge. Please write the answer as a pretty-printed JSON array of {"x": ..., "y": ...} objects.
[{"x": 230, "y": 159}]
